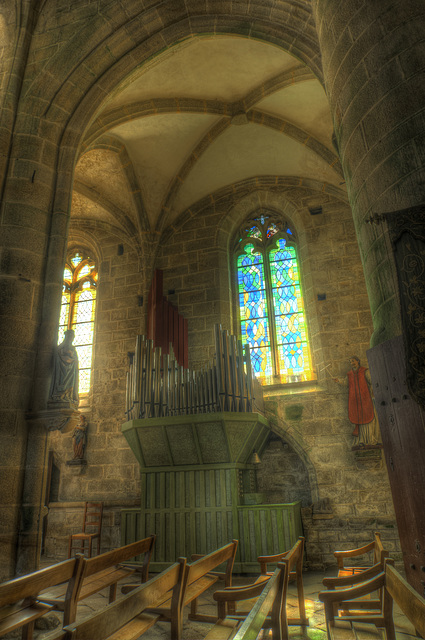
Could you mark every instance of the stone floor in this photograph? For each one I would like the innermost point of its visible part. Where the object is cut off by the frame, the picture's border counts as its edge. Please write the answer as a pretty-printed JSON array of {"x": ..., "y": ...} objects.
[{"x": 315, "y": 631}]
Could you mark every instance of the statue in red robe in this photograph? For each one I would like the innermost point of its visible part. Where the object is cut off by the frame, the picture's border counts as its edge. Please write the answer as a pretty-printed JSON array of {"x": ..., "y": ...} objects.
[{"x": 361, "y": 411}]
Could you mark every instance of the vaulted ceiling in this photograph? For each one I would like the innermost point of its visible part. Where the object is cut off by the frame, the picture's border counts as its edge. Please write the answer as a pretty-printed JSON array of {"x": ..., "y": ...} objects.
[{"x": 203, "y": 115}]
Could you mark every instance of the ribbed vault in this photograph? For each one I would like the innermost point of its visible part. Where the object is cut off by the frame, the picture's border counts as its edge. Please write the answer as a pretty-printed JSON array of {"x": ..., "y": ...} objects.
[{"x": 206, "y": 114}]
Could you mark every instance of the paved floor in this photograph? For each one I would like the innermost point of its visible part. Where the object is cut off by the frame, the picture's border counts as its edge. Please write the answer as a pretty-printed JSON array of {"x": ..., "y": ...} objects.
[{"x": 316, "y": 630}]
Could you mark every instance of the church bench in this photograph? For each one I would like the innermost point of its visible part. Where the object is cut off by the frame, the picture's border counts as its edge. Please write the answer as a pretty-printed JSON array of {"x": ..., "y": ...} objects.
[
  {"x": 292, "y": 560},
  {"x": 371, "y": 602},
  {"x": 127, "y": 618},
  {"x": 267, "y": 610},
  {"x": 19, "y": 603},
  {"x": 379, "y": 554},
  {"x": 395, "y": 589},
  {"x": 99, "y": 572},
  {"x": 199, "y": 576}
]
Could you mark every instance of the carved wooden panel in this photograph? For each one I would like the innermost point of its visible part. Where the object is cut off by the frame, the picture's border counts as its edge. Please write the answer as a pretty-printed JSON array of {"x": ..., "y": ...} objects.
[{"x": 402, "y": 424}]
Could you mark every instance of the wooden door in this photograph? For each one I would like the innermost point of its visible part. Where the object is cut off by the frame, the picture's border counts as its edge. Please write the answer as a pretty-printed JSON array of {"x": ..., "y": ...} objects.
[{"x": 402, "y": 424}]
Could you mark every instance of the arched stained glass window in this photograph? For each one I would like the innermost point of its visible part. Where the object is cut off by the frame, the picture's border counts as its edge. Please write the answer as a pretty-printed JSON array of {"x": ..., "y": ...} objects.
[
  {"x": 78, "y": 309},
  {"x": 271, "y": 307}
]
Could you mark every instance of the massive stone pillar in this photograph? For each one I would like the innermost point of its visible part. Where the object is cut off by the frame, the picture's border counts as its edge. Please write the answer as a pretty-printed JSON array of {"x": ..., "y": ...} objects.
[
  {"x": 373, "y": 64},
  {"x": 32, "y": 244}
]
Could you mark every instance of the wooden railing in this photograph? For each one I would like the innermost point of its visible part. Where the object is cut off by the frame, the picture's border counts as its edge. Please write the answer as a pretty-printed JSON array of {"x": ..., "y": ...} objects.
[{"x": 158, "y": 386}]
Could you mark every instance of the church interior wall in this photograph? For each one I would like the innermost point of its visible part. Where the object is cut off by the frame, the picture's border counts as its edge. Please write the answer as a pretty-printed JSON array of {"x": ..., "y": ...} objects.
[
  {"x": 311, "y": 432},
  {"x": 56, "y": 70}
]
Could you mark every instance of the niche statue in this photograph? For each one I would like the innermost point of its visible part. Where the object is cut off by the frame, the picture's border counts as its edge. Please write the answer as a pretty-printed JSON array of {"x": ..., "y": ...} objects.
[
  {"x": 64, "y": 386},
  {"x": 79, "y": 438}
]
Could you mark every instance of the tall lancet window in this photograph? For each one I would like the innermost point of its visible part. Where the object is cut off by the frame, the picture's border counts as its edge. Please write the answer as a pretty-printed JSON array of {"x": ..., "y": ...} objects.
[
  {"x": 271, "y": 308},
  {"x": 78, "y": 309}
]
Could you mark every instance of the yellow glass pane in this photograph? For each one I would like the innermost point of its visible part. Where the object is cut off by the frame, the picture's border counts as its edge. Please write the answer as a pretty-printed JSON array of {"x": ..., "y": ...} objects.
[{"x": 84, "y": 271}]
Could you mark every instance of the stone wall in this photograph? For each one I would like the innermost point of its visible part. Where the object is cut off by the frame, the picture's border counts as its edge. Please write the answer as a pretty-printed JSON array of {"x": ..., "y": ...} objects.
[
  {"x": 111, "y": 472},
  {"x": 310, "y": 458},
  {"x": 65, "y": 518}
]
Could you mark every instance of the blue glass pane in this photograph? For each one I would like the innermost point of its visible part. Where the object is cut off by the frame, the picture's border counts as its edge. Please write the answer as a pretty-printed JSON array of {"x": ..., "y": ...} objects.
[
  {"x": 285, "y": 300},
  {"x": 253, "y": 309},
  {"x": 253, "y": 305},
  {"x": 255, "y": 332},
  {"x": 261, "y": 361}
]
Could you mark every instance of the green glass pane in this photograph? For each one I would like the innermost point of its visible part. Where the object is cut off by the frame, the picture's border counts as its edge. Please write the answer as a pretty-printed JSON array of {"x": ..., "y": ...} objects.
[
  {"x": 253, "y": 309},
  {"x": 293, "y": 357},
  {"x": 253, "y": 232}
]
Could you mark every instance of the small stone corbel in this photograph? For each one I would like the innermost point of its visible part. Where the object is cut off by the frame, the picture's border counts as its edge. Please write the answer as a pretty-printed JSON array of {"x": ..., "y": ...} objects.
[{"x": 55, "y": 419}]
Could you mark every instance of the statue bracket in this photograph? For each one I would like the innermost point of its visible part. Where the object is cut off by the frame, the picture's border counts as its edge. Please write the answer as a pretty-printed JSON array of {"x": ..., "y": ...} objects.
[{"x": 57, "y": 417}]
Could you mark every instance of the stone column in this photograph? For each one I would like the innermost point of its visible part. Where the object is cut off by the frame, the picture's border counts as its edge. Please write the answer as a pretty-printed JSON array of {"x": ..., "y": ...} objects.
[
  {"x": 30, "y": 293},
  {"x": 373, "y": 59}
]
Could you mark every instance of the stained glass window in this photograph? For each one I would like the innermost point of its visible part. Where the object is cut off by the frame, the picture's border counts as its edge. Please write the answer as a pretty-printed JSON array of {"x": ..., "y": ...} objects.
[
  {"x": 270, "y": 301},
  {"x": 78, "y": 309}
]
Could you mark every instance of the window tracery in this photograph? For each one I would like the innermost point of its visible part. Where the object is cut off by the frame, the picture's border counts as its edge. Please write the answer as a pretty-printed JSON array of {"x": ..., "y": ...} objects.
[
  {"x": 78, "y": 310},
  {"x": 271, "y": 308}
]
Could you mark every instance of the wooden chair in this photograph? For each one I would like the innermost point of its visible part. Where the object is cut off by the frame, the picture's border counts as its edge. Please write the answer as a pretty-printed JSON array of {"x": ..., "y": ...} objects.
[
  {"x": 93, "y": 512},
  {"x": 394, "y": 587},
  {"x": 19, "y": 603}
]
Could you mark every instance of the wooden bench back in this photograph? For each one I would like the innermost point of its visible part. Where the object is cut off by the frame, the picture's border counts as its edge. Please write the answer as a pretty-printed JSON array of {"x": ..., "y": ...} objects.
[
  {"x": 271, "y": 601},
  {"x": 116, "y": 615},
  {"x": 294, "y": 557},
  {"x": 379, "y": 553},
  {"x": 409, "y": 601},
  {"x": 120, "y": 555},
  {"x": 29, "y": 586},
  {"x": 211, "y": 561}
]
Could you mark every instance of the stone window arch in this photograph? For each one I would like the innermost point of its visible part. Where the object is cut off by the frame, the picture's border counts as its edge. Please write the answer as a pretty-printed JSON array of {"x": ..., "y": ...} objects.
[
  {"x": 270, "y": 302},
  {"x": 78, "y": 310}
]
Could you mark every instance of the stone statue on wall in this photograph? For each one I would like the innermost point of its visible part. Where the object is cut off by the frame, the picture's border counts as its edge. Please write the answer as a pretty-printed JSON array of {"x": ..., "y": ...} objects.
[
  {"x": 64, "y": 385},
  {"x": 361, "y": 409},
  {"x": 79, "y": 438}
]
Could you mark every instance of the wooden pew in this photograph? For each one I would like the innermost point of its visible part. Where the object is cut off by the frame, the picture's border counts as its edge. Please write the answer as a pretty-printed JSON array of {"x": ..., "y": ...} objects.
[
  {"x": 395, "y": 588},
  {"x": 268, "y": 611},
  {"x": 292, "y": 560},
  {"x": 19, "y": 603},
  {"x": 379, "y": 554},
  {"x": 371, "y": 602},
  {"x": 127, "y": 619},
  {"x": 199, "y": 576},
  {"x": 98, "y": 573}
]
